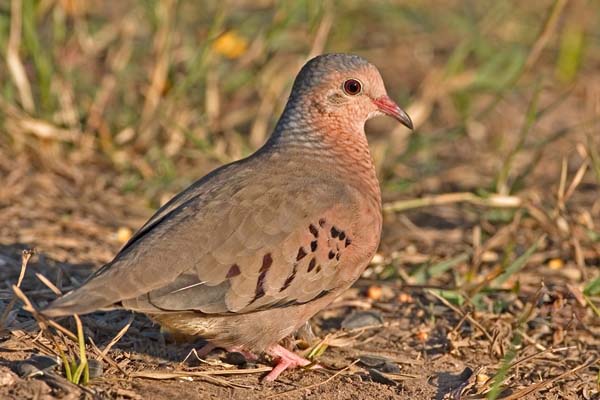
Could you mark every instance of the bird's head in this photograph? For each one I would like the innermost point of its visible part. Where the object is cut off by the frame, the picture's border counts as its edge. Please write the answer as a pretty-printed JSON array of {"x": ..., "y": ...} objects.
[{"x": 344, "y": 90}]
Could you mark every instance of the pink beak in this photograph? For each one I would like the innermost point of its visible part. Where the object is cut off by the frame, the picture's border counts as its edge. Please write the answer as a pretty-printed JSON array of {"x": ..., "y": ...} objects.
[{"x": 389, "y": 107}]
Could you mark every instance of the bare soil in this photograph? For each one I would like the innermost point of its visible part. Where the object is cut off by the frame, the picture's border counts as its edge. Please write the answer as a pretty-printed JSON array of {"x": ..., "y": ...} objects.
[{"x": 431, "y": 347}]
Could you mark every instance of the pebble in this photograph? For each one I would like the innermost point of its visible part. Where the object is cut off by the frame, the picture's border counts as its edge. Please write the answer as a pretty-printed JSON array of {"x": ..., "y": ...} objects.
[
  {"x": 361, "y": 319},
  {"x": 36, "y": 365}
]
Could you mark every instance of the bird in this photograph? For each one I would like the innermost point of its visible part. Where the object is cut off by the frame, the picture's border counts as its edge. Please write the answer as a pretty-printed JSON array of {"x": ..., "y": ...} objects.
[{"x": 250, "y": 252}]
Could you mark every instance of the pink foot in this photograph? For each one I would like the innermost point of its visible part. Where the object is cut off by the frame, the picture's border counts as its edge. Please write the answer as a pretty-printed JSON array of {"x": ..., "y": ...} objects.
[{"x": 285, "y": 360}]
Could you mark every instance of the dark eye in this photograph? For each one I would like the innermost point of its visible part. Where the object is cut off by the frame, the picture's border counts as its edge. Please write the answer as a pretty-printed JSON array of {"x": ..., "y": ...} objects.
[{"x": 352, "y": 87}]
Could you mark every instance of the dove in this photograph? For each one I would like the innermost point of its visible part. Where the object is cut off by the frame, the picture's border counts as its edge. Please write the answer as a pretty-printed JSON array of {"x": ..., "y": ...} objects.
[{"x": 248, "y": 253}]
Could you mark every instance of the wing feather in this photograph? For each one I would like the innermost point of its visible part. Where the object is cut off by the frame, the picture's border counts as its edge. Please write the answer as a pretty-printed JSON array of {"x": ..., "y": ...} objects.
[{"x": 206, "y": 249}]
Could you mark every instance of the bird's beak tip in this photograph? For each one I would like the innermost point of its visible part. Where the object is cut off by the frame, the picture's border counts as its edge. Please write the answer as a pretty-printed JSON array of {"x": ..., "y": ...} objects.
[{"x": 387, "y": 106}]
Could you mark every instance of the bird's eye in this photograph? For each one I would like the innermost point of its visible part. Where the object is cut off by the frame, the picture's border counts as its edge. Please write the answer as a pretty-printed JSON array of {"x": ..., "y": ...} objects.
[{"x": 352, "y": 87}]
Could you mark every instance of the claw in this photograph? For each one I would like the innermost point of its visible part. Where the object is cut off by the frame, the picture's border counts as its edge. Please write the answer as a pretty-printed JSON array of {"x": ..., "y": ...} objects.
[{"x": 285, "y": 360}]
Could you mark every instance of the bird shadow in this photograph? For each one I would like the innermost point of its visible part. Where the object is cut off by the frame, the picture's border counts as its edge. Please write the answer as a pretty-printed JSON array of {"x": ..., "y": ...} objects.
[{"x": 449, "y": 385}]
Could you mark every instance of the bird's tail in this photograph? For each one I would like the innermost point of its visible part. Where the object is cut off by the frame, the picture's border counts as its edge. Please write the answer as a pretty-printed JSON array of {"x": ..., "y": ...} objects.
[
  {"x": 78, "y": 301},
  {"x": 87, "y": 298}
]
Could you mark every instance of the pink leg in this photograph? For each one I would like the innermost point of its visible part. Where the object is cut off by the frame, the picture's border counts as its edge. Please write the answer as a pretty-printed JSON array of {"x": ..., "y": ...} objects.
[
  {"x": 239, "y": 349},
  {"x": 285, "y": 359},
  {"x": 205, "y": 350}
]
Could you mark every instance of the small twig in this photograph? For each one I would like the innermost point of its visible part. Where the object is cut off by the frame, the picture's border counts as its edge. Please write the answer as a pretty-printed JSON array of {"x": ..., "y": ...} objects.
[
  {"x": 576, "y": 179},
  {"x": 462, "y": 314},
  {"x": 159, "y": 375},
  {"x": 533, "y": 342},
  {"x": 25, "y": 256},
  {"x": 544, "y": 36},
  {"x": 107, "y": 358},
  {"x": 49, "y": 284},
  {"x": 118, "y": 336},
  {"x": 39, "y": 318},
  {"x": 562, "y": 184},
  {"x": 13, "y": 61},
  {"x": 323, "y": 30}
]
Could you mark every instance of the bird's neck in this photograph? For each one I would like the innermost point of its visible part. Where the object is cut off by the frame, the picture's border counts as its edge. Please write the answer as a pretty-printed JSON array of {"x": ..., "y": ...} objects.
[{"x": 329, "y": 146}]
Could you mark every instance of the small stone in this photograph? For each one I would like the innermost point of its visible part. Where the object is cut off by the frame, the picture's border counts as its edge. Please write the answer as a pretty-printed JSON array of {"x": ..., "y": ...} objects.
[
  {"x": 96, "y": 368},
  {"x": 411, "y": 249},
  {"x": 377, "y": 259},
  {"x": 422, "y": 336},
  {"x": 489, "y": 256},
  {"x": 405, "y": 298},
  {"x": 36, "y": 365},
  {"x": 380, "y": 363},
  {"x": 374, "y": 293},
  {"x": 305, "y": 334},
  {"x": 555, "y": 263},
  {"x": 378, "y": 377},
  {"x": 371, "y": 360},
  {"x": 361, "y": 319}
]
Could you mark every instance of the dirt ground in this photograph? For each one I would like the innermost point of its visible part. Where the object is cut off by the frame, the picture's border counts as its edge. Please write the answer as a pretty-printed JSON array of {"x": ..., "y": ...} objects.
[
  {"x": 487, "y": 280},
  {"x": 428, "y": 344}
]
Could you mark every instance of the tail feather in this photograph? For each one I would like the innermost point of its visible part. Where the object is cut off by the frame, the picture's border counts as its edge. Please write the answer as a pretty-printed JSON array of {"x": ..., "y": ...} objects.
[
  {"x": 78, "y": 301},
  {"x": 94, "y": 294}
]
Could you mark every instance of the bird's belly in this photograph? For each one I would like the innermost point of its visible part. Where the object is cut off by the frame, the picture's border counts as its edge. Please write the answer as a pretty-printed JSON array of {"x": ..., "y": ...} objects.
[{"x": 253, "y": 331}]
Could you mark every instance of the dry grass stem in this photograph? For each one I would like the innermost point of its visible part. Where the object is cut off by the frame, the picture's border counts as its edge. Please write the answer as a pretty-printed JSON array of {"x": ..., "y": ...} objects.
[{"x": 500, "y": 201}]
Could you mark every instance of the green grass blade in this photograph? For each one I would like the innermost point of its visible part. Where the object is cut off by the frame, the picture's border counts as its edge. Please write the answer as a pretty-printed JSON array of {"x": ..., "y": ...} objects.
[
  {"x": 520, "y": 262},
  {"x": 592, "y": 288},
  {"x": 424, "y": 272}
]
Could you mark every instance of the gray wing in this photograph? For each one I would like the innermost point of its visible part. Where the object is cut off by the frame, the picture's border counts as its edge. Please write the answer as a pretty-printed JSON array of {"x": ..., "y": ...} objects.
[{"x": 241, "y": 241}]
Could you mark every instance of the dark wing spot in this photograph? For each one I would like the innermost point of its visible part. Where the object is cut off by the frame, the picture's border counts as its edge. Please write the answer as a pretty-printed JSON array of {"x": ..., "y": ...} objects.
[
  {"x": 337, "y": 256},
  {"x": 313, "y": 229},
  {"x": 322, "y": 222},
  {"x": 260, "y": 282},
  {"x": 296, "y": 302},
  {"x": 233, "y": 271},
  {"x": 348, "y": 242},
  {"x": 334, "y": 232},
  {"x": 301, "y": 254},
  {"x": 312, "y": 265},
  {"x": 313, "y": 246},
  {"x": 322, "y": 294},
  {"x": 290, "y": 278},
  {"x": 267, "y": 262},
  {"x": 318, "y": 269},
  {"x": 331, "y": 254},
  {"x": 342, "y": 235}
]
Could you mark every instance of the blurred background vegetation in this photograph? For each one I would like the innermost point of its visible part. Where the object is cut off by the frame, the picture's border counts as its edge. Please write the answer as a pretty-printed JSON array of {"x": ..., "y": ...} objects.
[{"x": 161, "y": 91}]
